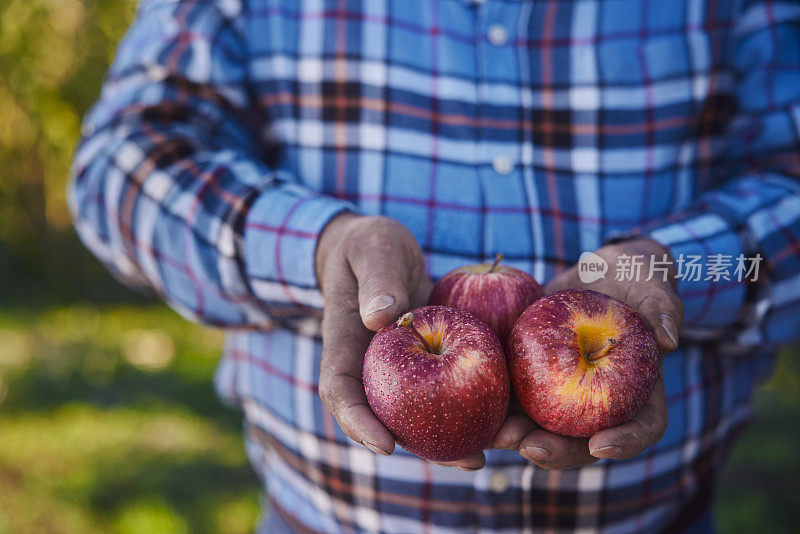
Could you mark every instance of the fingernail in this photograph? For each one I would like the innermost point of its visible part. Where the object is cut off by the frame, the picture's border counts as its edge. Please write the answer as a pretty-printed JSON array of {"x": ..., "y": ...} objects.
[
  {"x": 381, "y": 302},
  {"x": 374, "y": 448},
  {"x": 463, "y": 468},
  {"x": 535, "y": 453},
  {"x": 669, "y": 328},
  {"x": 606, "y": 450}
]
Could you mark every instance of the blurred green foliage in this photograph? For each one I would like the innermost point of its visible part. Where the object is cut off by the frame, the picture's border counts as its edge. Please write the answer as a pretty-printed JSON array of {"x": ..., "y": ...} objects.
[
  {"x": 108, "y": 419},
  {"x": 110, "y": 424},
  {"x": 757, "y": 491},
  {"x": 53, "y": 56}
]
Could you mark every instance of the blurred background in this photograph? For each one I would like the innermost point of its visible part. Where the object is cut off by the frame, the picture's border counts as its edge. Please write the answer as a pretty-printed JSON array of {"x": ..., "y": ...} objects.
[{"x": 108, "y": 419}]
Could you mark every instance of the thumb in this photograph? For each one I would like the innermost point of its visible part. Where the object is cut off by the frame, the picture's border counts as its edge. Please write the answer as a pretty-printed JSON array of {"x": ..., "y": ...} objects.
[
  {"x": 563, "y": 280},
  {"x": 385, "y": 284},
  {"x": 664, "y": 311}
]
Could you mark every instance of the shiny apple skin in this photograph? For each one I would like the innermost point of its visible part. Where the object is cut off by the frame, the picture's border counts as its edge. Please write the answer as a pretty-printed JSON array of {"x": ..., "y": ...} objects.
[
  {"x": 556, "y": 384},
  {"x": 440, "y": 407},
  {"x": 498, "y": 298}
]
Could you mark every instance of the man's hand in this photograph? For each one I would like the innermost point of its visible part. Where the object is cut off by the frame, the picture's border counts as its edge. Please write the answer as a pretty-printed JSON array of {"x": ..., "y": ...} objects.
[
  {"x": 655, "y": 300},
  {"x": 370, "y": 271}
]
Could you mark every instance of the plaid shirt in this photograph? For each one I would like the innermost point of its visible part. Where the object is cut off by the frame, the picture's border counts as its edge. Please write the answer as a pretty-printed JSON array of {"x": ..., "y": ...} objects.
[{"x": 229, "y": 132}]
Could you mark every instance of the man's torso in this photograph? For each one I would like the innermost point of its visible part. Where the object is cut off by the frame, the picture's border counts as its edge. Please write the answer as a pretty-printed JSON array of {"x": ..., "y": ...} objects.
[{"x": 535, "y": 129}]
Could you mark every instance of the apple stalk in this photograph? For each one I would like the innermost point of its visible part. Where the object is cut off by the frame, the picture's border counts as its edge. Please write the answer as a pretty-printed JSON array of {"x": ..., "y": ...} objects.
[
  {"x": 407, "y": 322},
  {"x": 596, "y": 355},
  {"x": 497, "y": 261}
]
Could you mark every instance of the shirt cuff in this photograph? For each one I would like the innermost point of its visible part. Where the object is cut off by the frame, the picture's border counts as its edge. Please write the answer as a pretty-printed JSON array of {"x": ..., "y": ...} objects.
[
  {"x": 280, "y": 239},
  {"x": 707, "y": 252}
]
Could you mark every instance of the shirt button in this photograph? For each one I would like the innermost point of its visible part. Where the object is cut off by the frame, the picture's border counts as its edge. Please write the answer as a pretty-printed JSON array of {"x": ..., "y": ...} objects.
[
  {"x": 498, "y": 35},
  {"x": 157, "y": 73},
  {"x": 499, "y": 482},
  {"x": 502, "y": 165}
]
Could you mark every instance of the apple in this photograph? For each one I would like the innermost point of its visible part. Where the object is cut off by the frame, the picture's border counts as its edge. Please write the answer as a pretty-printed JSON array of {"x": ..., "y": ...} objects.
[
  {"x": 438, "y": 380},
  {"x": 581, "y": 362},
  {"x": 496, "y": 293}
]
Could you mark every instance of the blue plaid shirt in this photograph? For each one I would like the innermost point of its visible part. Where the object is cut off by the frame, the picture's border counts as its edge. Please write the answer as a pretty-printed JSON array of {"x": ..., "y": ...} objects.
[{"x": 229, "y": 132}]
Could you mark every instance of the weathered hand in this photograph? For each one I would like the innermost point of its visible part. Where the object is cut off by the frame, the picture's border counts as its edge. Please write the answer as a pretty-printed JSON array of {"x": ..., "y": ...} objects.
[
  {"x": 370, "y": 271},
  {"x": 655, "y": 300}
]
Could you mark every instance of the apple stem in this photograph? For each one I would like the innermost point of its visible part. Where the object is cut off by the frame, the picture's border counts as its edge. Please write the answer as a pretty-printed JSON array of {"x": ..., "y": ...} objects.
[
  {"x": 407, "y": 321},
  {"x": 596, "y": 355},
  {"x": 497, "y": 261}
]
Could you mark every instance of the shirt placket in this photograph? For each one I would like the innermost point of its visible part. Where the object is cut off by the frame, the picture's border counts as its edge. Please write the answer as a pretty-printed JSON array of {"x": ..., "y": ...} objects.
[
  {"x": 497, "y": 72},
  {"x": 496, "y": 77}
]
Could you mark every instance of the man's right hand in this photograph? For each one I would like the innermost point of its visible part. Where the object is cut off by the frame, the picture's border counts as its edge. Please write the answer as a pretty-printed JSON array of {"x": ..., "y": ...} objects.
[{"x": 370, "y": 271}]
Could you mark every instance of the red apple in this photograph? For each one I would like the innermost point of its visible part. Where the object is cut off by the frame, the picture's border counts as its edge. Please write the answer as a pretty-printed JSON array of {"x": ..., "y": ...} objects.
[
  {"x": 438, "y": 380},
  {"x": 581, "y": 361},
  {"x": 498, "y": 294}
]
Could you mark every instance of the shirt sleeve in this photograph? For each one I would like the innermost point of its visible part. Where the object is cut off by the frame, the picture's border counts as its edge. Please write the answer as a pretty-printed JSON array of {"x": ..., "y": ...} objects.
[
  {"x": 755, "y": 210},
  {"x": 174, "y": 184}
]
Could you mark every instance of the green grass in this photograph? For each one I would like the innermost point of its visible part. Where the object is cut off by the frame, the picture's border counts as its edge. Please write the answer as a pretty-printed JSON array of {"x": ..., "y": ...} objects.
[
  {"x": 757, "y": 491},
  {"x": 109, "y": 423}
]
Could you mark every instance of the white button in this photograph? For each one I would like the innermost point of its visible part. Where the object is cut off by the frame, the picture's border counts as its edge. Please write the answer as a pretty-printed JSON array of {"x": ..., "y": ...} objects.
[
  {"x": 502, "y": 165},
  {"x": 157, "y": 73},
  {"x": 498, "y": 35},
  {"x": 499, "y": 482}
]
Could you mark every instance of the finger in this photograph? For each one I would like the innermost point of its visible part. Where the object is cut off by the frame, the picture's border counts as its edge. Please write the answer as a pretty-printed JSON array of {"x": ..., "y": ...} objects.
[
  {"x": 513, "y": 430},
  {"x": 344, "y": 342},
  {"x": 422, "y": 294},
  {"x": 663, "y": 310},
  {"x": 344, "y": 396},
  {"x": 630, "y": 439},
  {"x": 386, "y": 278},
  {"x": 554, "y": 452},
  {"x": 470, "y": 463},
  {"x": 564, "y": 280}
]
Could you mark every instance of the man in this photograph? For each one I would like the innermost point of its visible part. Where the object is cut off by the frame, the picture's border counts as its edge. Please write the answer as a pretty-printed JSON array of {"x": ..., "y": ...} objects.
[{"x": 254, "y": 160}]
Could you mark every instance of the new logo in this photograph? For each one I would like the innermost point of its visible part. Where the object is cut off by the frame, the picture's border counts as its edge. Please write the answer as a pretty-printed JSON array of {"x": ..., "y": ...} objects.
[{"x": 591, "y": 267}]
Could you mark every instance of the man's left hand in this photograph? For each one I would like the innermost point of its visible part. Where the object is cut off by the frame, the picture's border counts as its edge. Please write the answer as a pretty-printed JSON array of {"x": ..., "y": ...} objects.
[{"x": 655, "y": 300}]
